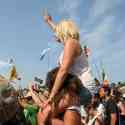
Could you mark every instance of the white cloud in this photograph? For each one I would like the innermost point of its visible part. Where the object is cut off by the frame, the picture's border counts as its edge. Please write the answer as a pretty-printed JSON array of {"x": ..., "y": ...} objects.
[
  {"x": 100, "y": 7},
  {"x": 70, "y": 7},
  {"x": 115, "y": 64},
  {"x": 98, "y": 36}
]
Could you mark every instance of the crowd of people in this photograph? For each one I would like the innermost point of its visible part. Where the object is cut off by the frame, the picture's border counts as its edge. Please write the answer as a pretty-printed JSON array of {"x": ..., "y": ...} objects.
[
  {"x": 26, "y": 107},
  {"x": 70, "y": 96}
]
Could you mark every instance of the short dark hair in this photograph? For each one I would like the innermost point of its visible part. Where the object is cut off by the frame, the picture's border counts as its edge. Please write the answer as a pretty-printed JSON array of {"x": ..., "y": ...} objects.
[{"x": 50, "y": 77}]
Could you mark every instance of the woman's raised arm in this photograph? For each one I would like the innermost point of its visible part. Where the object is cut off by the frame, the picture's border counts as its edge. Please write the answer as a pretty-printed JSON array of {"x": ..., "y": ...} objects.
[{"x": 49, "y": 21}]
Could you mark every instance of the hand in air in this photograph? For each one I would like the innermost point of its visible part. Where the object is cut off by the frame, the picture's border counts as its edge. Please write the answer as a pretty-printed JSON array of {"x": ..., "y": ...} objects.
[{"x": 47, "y": 18}]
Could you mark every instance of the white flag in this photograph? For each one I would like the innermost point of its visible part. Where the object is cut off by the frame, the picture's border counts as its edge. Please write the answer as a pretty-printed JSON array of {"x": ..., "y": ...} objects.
[{"x": 44, "y": 52}]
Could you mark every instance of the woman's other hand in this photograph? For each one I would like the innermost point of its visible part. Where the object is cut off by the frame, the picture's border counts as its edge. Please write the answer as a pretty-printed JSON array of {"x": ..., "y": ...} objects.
[{"x": 43, "y": 115}]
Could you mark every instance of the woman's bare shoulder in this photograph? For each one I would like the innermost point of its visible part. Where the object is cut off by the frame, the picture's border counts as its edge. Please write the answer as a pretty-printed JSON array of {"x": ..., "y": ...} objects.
[
  {"x": 73, "y": 44},
  {"x": 72, "y": 41}
]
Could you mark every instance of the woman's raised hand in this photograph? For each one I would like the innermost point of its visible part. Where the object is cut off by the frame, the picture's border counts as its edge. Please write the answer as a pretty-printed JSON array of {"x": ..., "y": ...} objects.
[{"x": 47, "y": 18}]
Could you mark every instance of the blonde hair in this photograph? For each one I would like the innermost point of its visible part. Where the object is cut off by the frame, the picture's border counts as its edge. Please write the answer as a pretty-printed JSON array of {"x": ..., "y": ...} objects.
[{"x": 67, "y": 29}]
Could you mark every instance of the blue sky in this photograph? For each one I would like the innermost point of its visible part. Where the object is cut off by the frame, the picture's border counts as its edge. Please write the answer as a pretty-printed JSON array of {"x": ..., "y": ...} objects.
[{"x": 24, "y": 34}]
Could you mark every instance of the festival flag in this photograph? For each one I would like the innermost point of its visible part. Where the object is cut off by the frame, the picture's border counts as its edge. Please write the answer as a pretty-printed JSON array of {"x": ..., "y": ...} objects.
[
  {"x": 105, "y": 78},
  {"x": 44, "y": 52},
  {"x": 103, "y": 74},
  {"x": 13, "y": 74},
  {"x": 4, "y": 64},
  {"x": 5, "y": 68}
]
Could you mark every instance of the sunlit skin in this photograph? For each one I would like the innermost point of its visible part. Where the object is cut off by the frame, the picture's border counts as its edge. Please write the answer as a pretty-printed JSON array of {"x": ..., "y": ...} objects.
[{"x": 70, "y": 117}]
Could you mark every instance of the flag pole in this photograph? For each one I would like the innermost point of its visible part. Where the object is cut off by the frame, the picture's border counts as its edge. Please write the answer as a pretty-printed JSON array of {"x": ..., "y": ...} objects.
[
  {"x": 48, "y": 61},
  {"x": 98, "y": 73}
]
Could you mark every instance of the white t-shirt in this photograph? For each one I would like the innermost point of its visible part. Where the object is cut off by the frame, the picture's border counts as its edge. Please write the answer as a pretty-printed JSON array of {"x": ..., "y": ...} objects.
[{"x": 81, "y": 69}]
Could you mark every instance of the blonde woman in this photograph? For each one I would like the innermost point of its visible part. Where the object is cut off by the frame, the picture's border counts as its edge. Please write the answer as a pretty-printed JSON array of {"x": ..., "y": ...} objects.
[{"x": 72, "y": 60}]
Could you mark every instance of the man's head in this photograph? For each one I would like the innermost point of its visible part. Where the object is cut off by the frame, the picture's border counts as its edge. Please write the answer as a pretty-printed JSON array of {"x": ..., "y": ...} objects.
[{"x": 71, "y": 82}]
